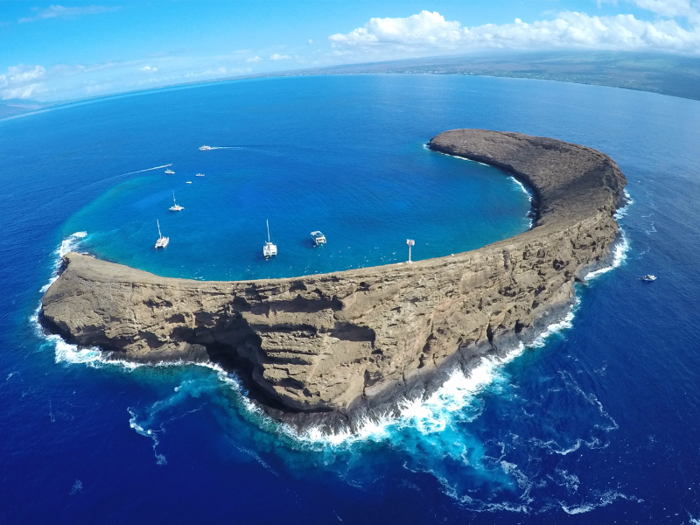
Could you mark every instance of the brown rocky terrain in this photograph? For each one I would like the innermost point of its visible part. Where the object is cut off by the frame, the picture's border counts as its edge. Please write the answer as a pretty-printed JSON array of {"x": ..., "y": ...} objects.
[{"x": 327, "y": 349}]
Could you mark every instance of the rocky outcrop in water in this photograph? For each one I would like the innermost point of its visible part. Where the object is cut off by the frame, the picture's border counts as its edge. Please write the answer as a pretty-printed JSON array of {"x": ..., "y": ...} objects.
[{"x": 327, "y": 349}]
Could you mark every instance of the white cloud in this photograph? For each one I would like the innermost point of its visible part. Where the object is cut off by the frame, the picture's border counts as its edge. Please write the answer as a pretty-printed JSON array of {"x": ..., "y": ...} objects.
[
  {"x": 21, "y": 81},
  {"x": 670, "y": 8},
  {"x": 252, "y": 60},
  {"x": 59, "y": 11},
  {"x": 423, "y": 28},
  {"x": 280, "y": 57},
  {"x": 427, "y": 33},
  {"x": 311, "y": 41},
  {"x": 66, "y": 82}
]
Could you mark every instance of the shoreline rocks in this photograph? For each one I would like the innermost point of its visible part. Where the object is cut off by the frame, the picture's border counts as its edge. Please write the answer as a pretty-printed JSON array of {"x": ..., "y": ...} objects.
[{"x": 328, "y": 350}]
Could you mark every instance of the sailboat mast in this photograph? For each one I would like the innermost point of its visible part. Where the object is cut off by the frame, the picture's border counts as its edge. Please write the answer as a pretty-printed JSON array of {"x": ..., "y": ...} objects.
[
  {"x": 159, "y": 234},
  {"x": 268, "y": 230},
  {"x": 174, "y": 203}
]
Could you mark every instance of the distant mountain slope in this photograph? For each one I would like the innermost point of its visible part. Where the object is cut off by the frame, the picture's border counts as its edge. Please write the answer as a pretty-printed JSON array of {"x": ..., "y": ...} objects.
[{"x": 659, "y": 73}]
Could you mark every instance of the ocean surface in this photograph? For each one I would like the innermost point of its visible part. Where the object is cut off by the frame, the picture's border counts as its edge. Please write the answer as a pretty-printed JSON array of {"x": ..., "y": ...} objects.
[{"x": 596, "y": 422}]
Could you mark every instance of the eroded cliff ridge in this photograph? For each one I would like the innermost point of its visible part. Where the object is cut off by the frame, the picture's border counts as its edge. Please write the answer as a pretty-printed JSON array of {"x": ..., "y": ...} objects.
[{"x": 328, "y": 349}]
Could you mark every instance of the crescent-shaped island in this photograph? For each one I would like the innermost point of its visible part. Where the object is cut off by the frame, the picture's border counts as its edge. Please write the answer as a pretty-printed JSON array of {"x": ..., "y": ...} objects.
[{"x": 328, "y": 350}]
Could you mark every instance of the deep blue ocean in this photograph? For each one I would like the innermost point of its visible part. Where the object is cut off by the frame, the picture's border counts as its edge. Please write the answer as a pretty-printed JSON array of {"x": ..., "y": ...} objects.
[{"x": 598, "y": 422}]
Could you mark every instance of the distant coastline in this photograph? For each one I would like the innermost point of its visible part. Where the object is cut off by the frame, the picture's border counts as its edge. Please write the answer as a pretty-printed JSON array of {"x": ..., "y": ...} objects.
[{"x": 663, "y": 74}]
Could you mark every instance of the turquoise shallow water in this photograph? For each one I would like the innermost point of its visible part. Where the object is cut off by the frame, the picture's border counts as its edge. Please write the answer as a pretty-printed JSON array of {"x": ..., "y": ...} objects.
[
  {"x": 596, "y": 423},
  {"x": 367, "y": 184}
]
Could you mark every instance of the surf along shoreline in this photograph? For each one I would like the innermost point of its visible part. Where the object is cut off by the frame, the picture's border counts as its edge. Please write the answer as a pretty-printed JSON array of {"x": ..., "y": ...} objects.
[{"x": 331, "y": 351}]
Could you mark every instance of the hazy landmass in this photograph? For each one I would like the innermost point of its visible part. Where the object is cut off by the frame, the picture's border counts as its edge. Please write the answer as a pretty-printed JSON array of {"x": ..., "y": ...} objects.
[
  {"x": 659, "y": 73},
  {"x": 665, "y": 74},
  {"x": 10, "y": 109}
]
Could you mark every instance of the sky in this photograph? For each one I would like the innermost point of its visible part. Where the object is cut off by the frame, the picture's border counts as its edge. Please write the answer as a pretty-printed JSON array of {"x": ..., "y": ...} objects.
[{"x": 53, "y": 52}]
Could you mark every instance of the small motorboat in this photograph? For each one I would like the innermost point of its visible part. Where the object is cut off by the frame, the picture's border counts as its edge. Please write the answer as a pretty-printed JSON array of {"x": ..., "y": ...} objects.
[
  {"x": 649, "y": 278},
  {"x": 169, "y": 172},
  {"x": 188, "y": 182},
  {"x": 318, "y": 238},
  {"x": 205, "y": 148},
  {"x": 199, "y": 175}
]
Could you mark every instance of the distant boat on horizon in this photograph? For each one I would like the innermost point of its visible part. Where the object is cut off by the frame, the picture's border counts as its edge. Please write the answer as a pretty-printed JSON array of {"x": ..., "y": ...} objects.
[
  {"x": 269, "y": 250},
  {"x": 205, "y": 148},
  {"x": 169, "y": 172},
  {"x": 175, "y": 206},
  {"x": 162, "y": 242}
]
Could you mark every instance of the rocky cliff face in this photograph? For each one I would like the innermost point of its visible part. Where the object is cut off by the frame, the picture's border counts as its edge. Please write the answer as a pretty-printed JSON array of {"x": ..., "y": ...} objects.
[{"x": 327, "y": 349}]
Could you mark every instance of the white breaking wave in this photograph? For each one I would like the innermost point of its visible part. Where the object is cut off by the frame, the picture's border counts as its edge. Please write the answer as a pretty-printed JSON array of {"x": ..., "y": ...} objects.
[
  {"x": 622, "y": 211},
  {"x": 620, "y": 247},
  {"x": 603, "y": 500},
  {"x": 69, "y": 244}
]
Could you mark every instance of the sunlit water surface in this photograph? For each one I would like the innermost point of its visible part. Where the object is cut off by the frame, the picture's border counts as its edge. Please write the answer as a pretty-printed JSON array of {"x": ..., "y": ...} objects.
[{"x": 595, "y": 422}]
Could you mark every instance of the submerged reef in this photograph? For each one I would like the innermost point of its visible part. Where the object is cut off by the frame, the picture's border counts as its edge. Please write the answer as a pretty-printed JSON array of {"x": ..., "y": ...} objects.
[{"x": 328, "y": 350}]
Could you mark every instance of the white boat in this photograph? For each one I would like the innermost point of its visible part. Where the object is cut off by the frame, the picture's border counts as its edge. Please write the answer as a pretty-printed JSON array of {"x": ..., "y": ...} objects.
[
  {"x": 175, "y": 206},
  {"x": 269, "y": 250},
  {"x": 318, "y": 238},
  {"x": 199, "y": 175},
  {"x": 649, "y": 278},
  {"x": 188, "y": 182},
  {"x": 205, "y": 148},
  {"x": 162, "y": 242},
  {"x": 169, "y": 172}
]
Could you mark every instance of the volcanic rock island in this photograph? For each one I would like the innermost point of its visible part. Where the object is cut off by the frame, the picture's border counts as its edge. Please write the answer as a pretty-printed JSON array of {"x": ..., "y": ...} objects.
[{"x": 329, "y": 350}]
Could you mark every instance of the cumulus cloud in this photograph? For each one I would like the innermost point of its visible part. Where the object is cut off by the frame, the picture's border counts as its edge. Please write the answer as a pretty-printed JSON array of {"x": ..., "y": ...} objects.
[
  {"x": 59, "y": 11},
  {"x": 669, "y": 8},
  {"x": 65, "y": 82},
  {"x": 280, "y": 57},
  {"x": 252, "y": 60},
  {"x": 429, "y": 32},
  {"x": 21, "y": 81}
]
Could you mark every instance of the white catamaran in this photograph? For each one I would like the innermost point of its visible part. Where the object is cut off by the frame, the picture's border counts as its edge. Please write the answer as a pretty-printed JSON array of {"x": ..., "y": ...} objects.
[
  {"x": 318, "y": 238},
  {"x": 269, "y": 249},
  {"x": 162, "y": 242},
  {"x": 175, "y": 206}
]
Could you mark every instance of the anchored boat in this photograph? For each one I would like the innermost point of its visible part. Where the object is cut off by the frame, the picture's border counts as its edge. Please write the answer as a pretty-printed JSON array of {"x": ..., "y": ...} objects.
[
  {"x": 649, "y": 278},
  {"x": 162, "y": 242},
  {"x": 169, "y": 172},
  {"x": 318, "y": 238},
  {"x": 199, "y": 175},
  {"x": 269, "y": 249},
  {"x": 175, "y": 206}
]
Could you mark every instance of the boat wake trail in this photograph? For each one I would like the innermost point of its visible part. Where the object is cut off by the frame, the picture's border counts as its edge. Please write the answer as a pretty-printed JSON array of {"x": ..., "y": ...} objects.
[
  {"x": 209, "y": 148},
  {"x": 147, "y": 169}
]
